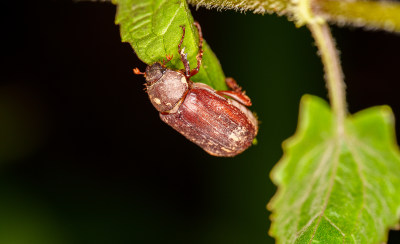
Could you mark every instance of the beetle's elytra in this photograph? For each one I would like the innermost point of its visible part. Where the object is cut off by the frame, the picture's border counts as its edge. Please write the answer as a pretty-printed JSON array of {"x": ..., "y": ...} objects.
[{"x": 222, "y": 126}]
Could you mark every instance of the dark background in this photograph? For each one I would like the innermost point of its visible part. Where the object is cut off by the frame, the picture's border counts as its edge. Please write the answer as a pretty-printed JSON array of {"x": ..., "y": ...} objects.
[{"x": 84, "y": 157}]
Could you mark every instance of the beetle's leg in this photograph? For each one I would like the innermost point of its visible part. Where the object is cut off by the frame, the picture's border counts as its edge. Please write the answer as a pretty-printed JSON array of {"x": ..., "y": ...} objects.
[
  {"x": 168, "y": 57},
  {"x": 184, "y": 59},
  {"x": 236, "y": 92},
  {"x": 238, "y": 96},
  {"x": 199, "y": 56},
  {"x": 232, "y": 84},
  {"x": 136, "y": 71}
]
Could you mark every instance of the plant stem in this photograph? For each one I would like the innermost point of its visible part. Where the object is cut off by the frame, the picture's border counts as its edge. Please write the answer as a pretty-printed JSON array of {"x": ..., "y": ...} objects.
[
  {"x": 333, "y": 71},
  {"x": 372, "y": 14},
  {"x": 279, "y": 7}
]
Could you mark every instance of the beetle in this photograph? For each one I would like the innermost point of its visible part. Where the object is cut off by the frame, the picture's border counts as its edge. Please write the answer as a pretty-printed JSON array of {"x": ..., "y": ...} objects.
[{"x": 217, "y": 121}]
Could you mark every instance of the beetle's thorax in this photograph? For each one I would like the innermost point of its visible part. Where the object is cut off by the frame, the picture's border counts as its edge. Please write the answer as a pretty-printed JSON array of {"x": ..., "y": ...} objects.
[{"x": 166, "y": 88}]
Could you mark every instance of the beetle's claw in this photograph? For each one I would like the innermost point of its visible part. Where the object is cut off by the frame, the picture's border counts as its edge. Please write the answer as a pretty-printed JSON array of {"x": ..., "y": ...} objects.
[{"x": 169, "y": 58}]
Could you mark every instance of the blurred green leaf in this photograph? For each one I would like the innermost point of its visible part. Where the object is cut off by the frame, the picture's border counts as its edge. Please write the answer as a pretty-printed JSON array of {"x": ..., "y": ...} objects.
[
  {"x": 27, "y": 220},
  {"x": 152, "y": 27},
  {"x": 337, "y": 189}
]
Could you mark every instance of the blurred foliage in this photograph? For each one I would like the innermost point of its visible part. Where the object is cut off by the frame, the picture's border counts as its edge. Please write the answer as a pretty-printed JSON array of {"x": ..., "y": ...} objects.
[
  {"x": 24, "y": 219},
  {"x": 23, "y": 125}
]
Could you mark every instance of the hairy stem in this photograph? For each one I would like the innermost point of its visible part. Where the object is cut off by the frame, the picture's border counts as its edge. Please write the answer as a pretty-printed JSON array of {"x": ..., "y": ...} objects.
[
  {"x": 279, "y": 7},
  {"x": 333, "y": 71},
  {"x": 370, "y": 14},
  {"x": 360, "y": 13}
]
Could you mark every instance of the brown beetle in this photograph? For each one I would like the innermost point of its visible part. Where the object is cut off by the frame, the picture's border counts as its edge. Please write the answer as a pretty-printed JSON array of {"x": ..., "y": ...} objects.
[{"x": 222, "y": 127}]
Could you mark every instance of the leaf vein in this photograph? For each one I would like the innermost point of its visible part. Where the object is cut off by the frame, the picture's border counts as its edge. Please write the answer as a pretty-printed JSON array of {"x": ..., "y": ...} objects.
[
  {"x": 144, "y": 16},
  {"x": 139, "y": 25},
  {"x": 304, "y": 228},
  {"x": 336, "y": 227},
  {"x": 168, "y": 26},
  {"x": 139, "y": 5},
  {"x": 328, "y": 194},
  {"x": 324, "y": 159},
  {"x": 357, "y": 159}
]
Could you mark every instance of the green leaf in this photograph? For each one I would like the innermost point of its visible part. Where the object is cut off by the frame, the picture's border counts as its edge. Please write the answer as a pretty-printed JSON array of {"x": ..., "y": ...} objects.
[
  {"x": 337, "y": 189},
  {"x": 152, "y": 27}
]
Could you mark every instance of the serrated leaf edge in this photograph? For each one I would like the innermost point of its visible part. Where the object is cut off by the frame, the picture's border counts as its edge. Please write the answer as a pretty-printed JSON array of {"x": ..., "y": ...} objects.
[{"x": 335, "y": 143}]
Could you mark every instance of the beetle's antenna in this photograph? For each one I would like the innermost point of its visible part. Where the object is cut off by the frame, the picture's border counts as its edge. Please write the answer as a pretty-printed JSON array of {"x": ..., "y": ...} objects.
[
  {"x": 184, "y": 59},
  {"x": 199, "y": 56},
  {"x": 136, "y": 71}
]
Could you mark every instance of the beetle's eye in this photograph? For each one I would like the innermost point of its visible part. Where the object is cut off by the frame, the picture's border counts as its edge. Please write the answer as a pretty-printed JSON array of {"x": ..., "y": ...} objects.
[{"x": 154, "y": 72}]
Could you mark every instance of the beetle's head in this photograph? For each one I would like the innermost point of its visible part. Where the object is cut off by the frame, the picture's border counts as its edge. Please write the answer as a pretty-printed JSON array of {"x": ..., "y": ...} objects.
[
  {"x": 166, "y": 87},
  {"x": 154, "y": 72}
]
